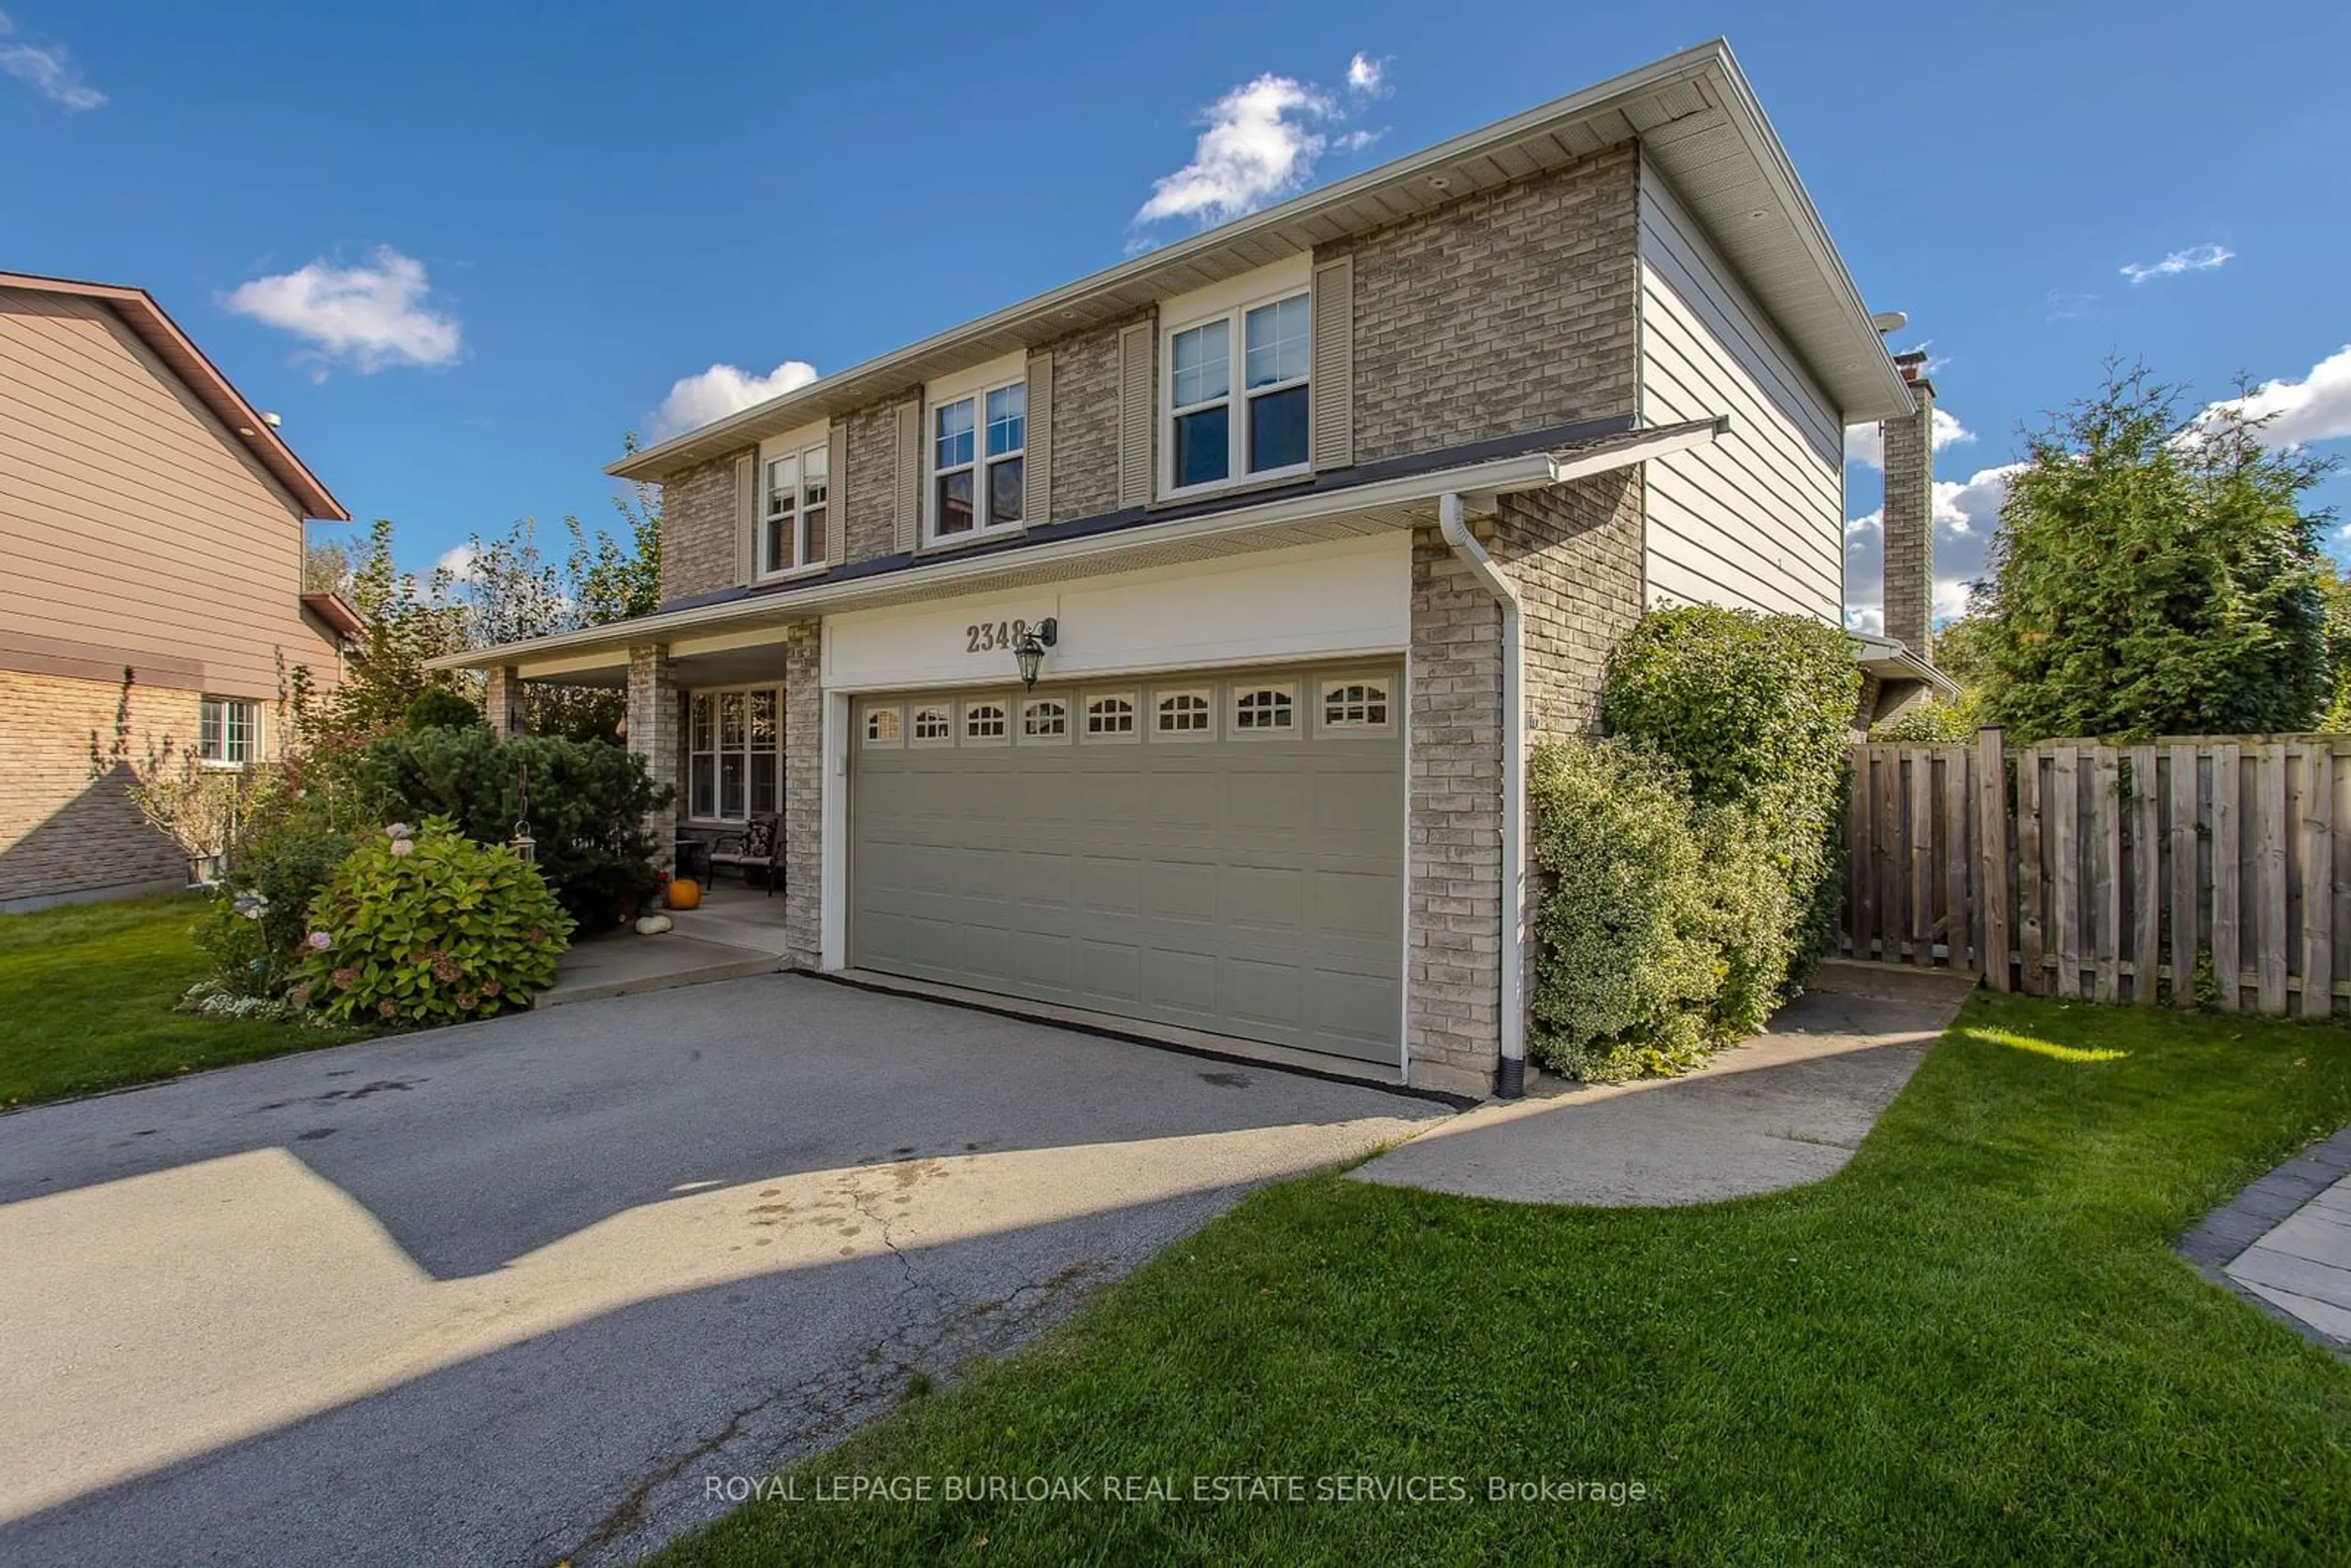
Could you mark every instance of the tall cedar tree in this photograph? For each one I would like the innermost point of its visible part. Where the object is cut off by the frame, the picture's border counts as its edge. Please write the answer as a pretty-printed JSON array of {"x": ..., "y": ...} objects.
[{"x": 2154, "y": 577}]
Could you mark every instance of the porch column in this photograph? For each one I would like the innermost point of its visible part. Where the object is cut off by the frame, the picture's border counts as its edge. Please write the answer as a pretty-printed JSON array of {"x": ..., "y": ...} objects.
[
  {"x": 804, "y": 786},
  {"x": 502, "y": 700},
  {"x": 654, "y": 736}
]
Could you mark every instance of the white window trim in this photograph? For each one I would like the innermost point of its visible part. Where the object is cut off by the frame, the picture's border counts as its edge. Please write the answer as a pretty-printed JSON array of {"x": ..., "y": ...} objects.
[
  {"x": 1160, "y": 695},
  {"x": 717, "y": 751},
  {"x": 797, "y": 444},
  {"x": 931, "y": 742},
  {"x": 1004, "y": 371},
  {"x": 1007, "y": 710},
  {"x": 1069, "y": 721},
  {"x": 1231, "y": 303},
  {"x": 1134, "y": 706},
  {"x": 255, "y": 750},
  {"x": 1342, "y": 729},
  {"x": 865, "y": 736},
  {"x": 1238, "y": 731}
]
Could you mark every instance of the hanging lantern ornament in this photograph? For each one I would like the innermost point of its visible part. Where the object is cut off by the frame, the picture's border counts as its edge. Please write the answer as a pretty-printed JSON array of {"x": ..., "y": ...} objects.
[
  {"x": 1029, "y": 650},
  {"x": 525, "y": 847}
]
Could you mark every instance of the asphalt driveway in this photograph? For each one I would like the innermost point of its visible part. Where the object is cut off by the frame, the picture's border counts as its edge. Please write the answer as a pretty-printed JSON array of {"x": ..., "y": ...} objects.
[{"x": 518, "y": 1291}]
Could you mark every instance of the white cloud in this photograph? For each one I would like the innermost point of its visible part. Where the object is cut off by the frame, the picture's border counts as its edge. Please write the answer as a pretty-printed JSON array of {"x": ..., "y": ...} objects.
[
  {"x": 2062, "y": 306},
  {"x": 369, "y": 316},
  {"x": 456, "y": 560},
  {"x": 1866, "y": 444},
  {"x": 2315, "y": 408},
  {"x": 2195, "y": 258},
  {"x": 48, "y": 70},
  {"x": 698, "y": 399},
  {"x": 1261, "y": 142}
]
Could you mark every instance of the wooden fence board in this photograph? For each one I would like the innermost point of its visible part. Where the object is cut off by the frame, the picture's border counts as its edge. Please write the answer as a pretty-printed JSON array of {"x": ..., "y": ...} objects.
[
  {"x": 1921, "y": 825},
  {"x": 2227, "y": 790},
  {"x": 2186, "y": 921},
  {"x": 1860, "y": 891},
  {"x": 2030, "y": 926},
  {"x": 1958, "y": 937},
  {"x": 1992, "y": 853},
  {"x": 2062, "y": 826},
  {"x": 2147, "y": 878},
  {"x": 2269, "y": 878},
  {"x": 2102, "y": 933},
  {"x": 2318, "y": 882}
]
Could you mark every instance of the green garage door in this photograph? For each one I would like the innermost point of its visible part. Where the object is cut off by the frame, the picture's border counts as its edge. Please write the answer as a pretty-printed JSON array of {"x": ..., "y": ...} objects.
[{"x": 1224, "y": 853}]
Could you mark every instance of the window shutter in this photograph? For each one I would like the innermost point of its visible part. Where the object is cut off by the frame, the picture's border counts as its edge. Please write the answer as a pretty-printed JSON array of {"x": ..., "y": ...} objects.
[
  {"x": 910, "y": 477},
  {"x": 1136, "y": 398},
  {"x": 1037, "y": 471},
  {"x": 1334, "y": 396},
  {"x": 836, "y": 496},
  {"x": 746, "y": 510}
]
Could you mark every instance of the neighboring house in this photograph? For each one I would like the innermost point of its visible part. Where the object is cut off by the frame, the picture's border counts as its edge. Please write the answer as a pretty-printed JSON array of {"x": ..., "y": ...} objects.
[
  {"x": 1318, "y": 514},
  {"x": 152, "y": 611}
]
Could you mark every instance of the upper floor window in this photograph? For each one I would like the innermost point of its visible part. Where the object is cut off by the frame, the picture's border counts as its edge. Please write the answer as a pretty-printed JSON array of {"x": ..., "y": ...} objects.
[
  {"x": 228, "y": 732},
  {"x": 1222, "y": 427},
  {"x": 978, "y": 446},
  {"x": 793, "y": 509}
]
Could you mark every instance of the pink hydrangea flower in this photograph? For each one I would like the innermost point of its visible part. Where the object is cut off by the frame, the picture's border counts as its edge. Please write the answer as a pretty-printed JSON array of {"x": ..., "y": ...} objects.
[
  {"x": 403, "y": 846},
  {"x": 468, "y": 1001},
  {"x": 320, "y": 941},
  {"x": 387, "y": 1007},
  {"x": 344, "y": 978},
  {"x": 398, "y": 829}
]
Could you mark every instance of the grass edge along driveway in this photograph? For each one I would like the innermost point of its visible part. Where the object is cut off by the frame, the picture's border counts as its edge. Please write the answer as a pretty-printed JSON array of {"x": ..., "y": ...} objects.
[
  {"x": 85, "y": 995},
  {"x": 1973, "y": 1344}
]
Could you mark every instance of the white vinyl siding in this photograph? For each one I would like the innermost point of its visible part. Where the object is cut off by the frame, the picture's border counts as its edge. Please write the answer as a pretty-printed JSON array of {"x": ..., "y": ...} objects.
[{"x": 1756, "y": 518}]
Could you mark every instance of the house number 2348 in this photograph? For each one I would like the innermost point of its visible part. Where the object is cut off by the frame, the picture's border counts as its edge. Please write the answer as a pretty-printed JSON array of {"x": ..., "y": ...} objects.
[{"x": 987, "y": 636}]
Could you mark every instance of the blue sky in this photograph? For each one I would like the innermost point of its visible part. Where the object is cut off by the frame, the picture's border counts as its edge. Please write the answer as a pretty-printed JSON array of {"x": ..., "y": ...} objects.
[{"x": 461, "y": 248}]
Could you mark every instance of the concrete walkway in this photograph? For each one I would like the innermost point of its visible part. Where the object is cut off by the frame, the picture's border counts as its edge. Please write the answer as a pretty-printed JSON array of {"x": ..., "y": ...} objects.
[
  {"x": 2284, "y": 1243},
  {"x": 1782, "y": 1109},
  {"x": 621, "y": 964}
]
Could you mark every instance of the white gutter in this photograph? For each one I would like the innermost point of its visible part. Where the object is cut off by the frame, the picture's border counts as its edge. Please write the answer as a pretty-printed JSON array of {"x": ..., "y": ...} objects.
[
  {"x": 1504, "y": 476},
  {"x": 1512, "y": 1082}
]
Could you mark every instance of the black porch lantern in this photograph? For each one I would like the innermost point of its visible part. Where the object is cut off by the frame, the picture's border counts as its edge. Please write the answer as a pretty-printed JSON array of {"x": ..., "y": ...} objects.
[
  {"x": 525, "y": 847},
  {"x": 1029, "y": 650}
]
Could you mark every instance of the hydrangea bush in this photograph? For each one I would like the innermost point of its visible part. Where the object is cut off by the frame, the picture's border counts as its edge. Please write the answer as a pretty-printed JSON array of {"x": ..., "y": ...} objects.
[{"x": 427, "y": 927}]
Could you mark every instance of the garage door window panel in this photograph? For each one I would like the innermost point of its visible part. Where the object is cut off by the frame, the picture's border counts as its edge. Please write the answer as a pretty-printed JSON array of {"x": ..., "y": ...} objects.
[
  {"x": 885, "y": 726},
  {"x": 987, "y": 721},
  {"x": 1265, "y": 709},
  {"x": 1109, "y": 717},
  {"x": 930, "y": 723},
  {"x": 1045, "y": 721},
  {"x": 1357, "y": 705},
  {"x": 1184, "y": 712}
]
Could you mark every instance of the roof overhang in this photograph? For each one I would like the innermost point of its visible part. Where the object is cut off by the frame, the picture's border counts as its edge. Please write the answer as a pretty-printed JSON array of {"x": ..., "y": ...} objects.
[
  {"x": 1891, "y": 661},
  {"x": 1695, "y": 117},
  {"x": 138, "y": 311},
  {"x": 1357, "y": 510},
  {"x": 335, "y": 614}
]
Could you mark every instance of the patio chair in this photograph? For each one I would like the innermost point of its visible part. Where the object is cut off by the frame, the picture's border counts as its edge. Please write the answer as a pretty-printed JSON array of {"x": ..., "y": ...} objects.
[{"x": 759, "y": 847}]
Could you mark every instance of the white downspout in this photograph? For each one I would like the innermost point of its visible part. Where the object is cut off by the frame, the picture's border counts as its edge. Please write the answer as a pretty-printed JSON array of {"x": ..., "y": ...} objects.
[{"x": 1511, "y": 1082}]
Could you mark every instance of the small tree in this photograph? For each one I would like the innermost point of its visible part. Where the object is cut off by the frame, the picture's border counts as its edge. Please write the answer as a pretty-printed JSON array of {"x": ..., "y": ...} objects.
[{"x": 2154, "y": 577}]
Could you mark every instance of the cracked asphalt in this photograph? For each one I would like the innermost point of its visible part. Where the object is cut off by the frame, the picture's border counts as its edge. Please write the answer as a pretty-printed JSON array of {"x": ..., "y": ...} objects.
[{"x": 524, "y": 1290}]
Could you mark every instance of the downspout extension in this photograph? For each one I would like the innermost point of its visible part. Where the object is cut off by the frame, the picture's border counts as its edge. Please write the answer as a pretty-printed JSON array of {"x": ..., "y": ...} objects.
[{"x": 1511, "y": 1081}]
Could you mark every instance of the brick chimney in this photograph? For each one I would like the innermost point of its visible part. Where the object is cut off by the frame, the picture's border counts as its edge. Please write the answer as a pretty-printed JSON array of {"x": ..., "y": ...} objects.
[{"x": 1909, "y": 516}]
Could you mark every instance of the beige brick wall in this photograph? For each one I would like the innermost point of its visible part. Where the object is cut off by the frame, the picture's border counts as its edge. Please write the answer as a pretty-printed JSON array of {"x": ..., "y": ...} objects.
[
  {"x": 804, "y": 791},
  {"x": 68, "y": 751},
  {"x": 1510, "y": 310},
  {"x": 1575, "y": 554},
  {"x": 1085, "y": 423},
  {"x": 656, "y": 719},
  {"x": 872, "y": 508},
  {"x": 698, "y": 530}
]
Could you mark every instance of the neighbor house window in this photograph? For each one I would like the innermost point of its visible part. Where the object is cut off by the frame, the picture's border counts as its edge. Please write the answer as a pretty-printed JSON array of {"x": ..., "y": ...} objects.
[
  {"x": 793, "y": 509},
  {"x": 228, "y": 732},
  {"x": 978, "y": 446},
  {"x": 735, "y": 754},
  {"x": 1222, "y": 427}
]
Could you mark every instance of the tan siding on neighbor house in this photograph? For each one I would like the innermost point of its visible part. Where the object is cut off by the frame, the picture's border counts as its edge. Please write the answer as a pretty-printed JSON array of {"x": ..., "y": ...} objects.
[
  {"x": 134, "y": 528},
  {"x": 1756, "y": 518}
]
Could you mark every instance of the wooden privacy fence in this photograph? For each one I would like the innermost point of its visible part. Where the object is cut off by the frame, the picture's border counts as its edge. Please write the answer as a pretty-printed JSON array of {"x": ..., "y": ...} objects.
[{"x": 2203, "y": 868}]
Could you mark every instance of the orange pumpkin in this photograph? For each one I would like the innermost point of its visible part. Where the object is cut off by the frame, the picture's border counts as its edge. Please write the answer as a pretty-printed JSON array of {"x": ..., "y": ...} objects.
[{"x": 685, "y": 892}]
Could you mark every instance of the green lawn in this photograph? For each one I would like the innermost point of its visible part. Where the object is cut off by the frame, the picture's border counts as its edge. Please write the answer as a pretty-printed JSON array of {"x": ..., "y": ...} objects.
[
  {"x": 85, "y": 995},
  {"x": 1973, "y": 1345}
]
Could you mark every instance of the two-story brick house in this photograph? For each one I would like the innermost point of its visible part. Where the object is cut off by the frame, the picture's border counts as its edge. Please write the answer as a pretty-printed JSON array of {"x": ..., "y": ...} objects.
[
  {"x": 1165, "y": 646},
  {"x": 151, "y": 607}
]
